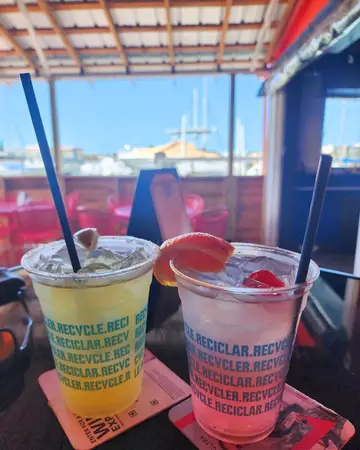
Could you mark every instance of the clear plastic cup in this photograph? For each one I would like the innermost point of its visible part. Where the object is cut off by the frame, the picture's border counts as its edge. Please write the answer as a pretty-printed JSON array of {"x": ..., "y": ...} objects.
[
  {"x": 96, "y": 324},
  {"x": 239, "y": 344}
]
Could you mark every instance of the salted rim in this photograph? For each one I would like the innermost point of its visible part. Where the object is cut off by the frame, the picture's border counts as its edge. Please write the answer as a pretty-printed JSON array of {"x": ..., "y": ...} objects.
[
  {"x": 152, "y": 249},
  {"x": 258, "y": 291}
]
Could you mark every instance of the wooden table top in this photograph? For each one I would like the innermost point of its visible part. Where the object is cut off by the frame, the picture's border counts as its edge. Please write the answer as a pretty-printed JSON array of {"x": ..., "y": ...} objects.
[{"x": 29, "y": 423}]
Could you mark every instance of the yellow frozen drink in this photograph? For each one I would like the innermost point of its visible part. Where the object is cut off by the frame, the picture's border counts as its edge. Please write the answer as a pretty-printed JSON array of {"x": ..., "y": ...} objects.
[{"x": 96, "y": 319}]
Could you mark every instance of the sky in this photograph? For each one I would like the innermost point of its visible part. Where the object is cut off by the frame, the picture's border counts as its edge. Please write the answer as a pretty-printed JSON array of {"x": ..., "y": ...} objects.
[{"x": 104, "y": 116}]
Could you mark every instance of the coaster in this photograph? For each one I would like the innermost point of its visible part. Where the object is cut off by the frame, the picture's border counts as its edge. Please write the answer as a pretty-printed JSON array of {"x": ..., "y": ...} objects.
[
  {"x": 161, "y": 389},
  {"x": 303, "y": 424}
]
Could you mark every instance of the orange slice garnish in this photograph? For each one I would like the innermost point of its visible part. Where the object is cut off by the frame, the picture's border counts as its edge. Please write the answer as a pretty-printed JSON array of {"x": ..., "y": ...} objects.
[{"x": 194, "y": 251}]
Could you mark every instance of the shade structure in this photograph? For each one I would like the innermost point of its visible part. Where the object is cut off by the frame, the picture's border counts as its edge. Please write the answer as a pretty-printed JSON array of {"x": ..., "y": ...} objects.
[{"x": 69, "y": 38}]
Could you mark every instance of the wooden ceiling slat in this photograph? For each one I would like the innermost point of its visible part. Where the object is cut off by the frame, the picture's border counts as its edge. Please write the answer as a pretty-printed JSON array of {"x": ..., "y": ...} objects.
[
  {"x": 122, "y": 67},
  {"x": 171, "y": 51},
  {"x": 169, "y": 32},
  {"x": 141, "y": 29},
  {"x": 18, "y": 50},
  {"x": 78, "y": 5},
  {"x": 33, "y": 36},
  {"x": 46, "y": 8},
  {"x": 224, "y": 29},
  {"x": 158, "y": 70},
  {"x": 104, "y": 4},
  {"x": 139, "y": 50},
  {"x": 5, "y": 78}
]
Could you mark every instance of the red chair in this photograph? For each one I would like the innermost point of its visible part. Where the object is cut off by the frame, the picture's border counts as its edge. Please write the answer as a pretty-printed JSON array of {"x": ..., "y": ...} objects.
[
  {"x": 212, "y": 221},
  {"x": 121, "y": 208},
  {"x": 72, "y": 204},
  {"x": 37, "y": 223},
  {"x": 101, "y": 219},
  {"x": 5, "y": 229},
  {"x": 5, "y": 243},
  {"x": 114, "y": 202}
]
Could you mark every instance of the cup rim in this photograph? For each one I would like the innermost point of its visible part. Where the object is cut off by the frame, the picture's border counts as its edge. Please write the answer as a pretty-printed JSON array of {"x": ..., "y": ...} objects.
[
  {"x": 153, "y": 252},
  {"x": 312, "y": 275}
]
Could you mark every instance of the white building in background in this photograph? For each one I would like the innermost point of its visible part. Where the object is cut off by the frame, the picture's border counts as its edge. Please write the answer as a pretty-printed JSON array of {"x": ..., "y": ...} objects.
[
  {"x": 185, "y": 156},
  {"x": 106, "y": 166},
  {"x": 344, "y": 156},
  {"x": 68, "y": 153},
  {"x": 328, "y": 149}
]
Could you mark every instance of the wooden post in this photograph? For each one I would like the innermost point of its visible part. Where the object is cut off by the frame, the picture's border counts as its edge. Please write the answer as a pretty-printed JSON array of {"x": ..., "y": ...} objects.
[
  {"x": 303, "y": 116},
  {"x": 264, "y": 161},
  {"x": 231, "y": 180},
  {"x": 311, "y": 123},
  {"x": 2, "y": 189},
  {"x": 55, "y": 127},
  {"x": 273, "y": 177}
]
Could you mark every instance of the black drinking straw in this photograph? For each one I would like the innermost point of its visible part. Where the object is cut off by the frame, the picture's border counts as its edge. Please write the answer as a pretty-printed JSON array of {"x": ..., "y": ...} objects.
[
  {"x": 49, "y": 167},
  {"x": 312, "y": 225}
]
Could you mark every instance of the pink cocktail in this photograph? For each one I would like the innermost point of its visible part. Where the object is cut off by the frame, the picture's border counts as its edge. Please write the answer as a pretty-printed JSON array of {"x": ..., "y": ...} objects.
[{"x": 239, "y": 341}]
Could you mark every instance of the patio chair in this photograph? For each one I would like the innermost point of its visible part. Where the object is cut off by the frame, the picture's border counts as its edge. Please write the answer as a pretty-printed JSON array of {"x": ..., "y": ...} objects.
[
  {"x": 121, "y": 208},
  {"x": 72, "y": 203},
  {"x": 5, "y": 243},
  {"x": 37, "y": 223},
  {"x": 103, "y": 220},
  {"x": 114, "y": 202},
  {"x": 212, "y": 221}
]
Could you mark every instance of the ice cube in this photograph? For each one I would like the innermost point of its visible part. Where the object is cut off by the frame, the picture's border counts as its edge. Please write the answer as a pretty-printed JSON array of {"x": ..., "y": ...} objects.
[
  {"x": 137, "y": 256},
  {"x": 52, "y": 264},
  {"x": 94, "y": 268},
  {"x": 239, "y": 267},
  {"x": 103, "y": 256},
  {"x": 63, "y": 254},
  {"x": 99, "y": 260},
  {"x": 54, "y": 267},
  {"x": 116, "y": 261}
]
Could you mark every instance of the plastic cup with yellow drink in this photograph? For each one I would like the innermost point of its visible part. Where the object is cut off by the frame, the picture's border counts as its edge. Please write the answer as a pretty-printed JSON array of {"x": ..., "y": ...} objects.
[{"x": 96, "y": 319}]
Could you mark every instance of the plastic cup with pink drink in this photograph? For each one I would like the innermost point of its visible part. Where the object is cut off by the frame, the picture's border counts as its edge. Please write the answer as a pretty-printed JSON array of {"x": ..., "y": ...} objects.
[{"x": 240, "y": 326}]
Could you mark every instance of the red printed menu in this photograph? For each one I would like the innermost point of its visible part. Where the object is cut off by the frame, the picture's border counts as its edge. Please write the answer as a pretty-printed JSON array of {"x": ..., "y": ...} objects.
[{"x": 303, "y": 424}]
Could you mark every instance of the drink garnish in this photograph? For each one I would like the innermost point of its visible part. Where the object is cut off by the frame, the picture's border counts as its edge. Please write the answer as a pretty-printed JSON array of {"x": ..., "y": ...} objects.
[
  {"x": 87, "y": 238},
  {"x": 263, "y": 279},
  {"x": 193, "y": 251}
]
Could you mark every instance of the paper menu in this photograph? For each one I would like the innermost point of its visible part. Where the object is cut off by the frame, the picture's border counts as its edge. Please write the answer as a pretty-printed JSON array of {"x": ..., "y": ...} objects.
[
  {"x": 161, "y": 389},
  {"x": 303, "y": 424}
]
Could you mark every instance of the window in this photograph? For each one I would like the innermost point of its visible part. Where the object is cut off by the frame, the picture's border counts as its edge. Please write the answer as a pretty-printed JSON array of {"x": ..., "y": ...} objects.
[
  {"x": 341, "y": 134},
  {"x": 118, "y": 127},
  {"x": 19, "y": 152},
  {"x": 249, "y": 112}
]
